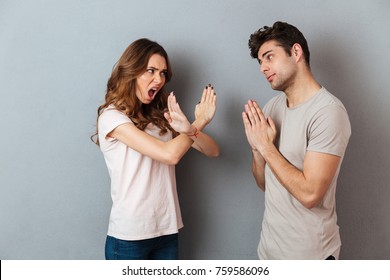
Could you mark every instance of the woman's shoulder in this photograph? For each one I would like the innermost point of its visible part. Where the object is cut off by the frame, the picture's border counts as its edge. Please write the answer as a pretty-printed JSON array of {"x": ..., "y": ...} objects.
[{"x": 111, "y": 113}]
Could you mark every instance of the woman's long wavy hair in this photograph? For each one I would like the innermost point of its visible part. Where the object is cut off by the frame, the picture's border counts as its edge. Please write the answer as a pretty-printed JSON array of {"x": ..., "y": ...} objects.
[{"x": 122, "y": 87}]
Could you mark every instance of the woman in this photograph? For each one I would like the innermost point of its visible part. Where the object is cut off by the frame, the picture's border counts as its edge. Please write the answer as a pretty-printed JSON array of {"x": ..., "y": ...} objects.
[{"x": 143, "y": 134}]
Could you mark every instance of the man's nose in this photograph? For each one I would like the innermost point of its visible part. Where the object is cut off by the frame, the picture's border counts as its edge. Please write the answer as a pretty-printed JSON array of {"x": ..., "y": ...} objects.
[{"x": 263, "y": 68}]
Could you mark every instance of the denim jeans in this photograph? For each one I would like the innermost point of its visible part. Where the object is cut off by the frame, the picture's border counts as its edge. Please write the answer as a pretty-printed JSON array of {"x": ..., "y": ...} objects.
[{"x": 164, "y": 247}]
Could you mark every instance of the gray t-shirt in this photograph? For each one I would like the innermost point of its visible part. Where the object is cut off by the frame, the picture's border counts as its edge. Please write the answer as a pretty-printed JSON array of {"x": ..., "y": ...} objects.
[{"x": 289, "y": 230}]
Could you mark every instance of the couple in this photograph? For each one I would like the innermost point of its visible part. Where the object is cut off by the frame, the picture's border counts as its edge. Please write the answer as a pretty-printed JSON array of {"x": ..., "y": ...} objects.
[{"x": 298, "y": 142}]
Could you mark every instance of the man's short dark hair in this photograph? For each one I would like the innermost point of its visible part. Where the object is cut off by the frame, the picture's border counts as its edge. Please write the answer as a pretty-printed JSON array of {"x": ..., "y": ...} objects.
[{"x": 282, "y": 32}]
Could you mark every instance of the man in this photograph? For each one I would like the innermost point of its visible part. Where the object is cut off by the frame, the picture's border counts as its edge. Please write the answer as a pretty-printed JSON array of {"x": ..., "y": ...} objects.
[{"x": 298, "y": 143}]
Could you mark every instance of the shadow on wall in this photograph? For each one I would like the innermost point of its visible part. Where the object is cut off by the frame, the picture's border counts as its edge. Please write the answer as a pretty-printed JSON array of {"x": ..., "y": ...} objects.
[
  {"x": 219, "y": 200},
  {"x": 218, "y": 197},
  {"x": 362, "y": 192}
]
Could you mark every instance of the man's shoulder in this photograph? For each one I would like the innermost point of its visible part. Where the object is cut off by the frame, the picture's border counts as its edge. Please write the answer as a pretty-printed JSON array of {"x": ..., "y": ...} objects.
[{"x": 328, "y": 98}]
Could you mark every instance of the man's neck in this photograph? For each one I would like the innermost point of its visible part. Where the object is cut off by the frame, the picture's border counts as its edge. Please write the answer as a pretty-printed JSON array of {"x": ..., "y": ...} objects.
[{"x": 303, "y": 88}]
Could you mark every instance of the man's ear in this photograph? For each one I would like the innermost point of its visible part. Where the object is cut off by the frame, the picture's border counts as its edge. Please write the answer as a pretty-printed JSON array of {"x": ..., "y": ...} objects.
[{"x": 297, "y": 51}]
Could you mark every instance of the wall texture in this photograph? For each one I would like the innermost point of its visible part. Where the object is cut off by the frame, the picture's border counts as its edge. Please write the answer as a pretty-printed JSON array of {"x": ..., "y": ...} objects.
[{"x": 55, "y": 59}]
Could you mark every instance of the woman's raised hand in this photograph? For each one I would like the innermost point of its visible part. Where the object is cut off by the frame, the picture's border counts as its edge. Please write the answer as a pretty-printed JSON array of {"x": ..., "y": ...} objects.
[
  {"x": 206, "y": 108},
  {"x": 176, "y": 117}
]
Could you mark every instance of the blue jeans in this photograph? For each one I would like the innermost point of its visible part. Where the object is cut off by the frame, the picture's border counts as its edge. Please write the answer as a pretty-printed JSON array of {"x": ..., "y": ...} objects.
[{"x": 164, "y": 247}]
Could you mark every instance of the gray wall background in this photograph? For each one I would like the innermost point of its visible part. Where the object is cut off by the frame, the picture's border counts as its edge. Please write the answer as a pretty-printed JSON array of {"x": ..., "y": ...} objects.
[{"x": 56, "y": 57}]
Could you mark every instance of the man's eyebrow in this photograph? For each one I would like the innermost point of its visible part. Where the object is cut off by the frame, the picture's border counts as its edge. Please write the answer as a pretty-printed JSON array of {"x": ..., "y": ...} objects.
[{"x": 264, "y": 54}]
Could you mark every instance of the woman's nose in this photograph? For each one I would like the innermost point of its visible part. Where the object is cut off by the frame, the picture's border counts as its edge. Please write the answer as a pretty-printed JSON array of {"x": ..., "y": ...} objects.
[{"x": 157, "y": 78}]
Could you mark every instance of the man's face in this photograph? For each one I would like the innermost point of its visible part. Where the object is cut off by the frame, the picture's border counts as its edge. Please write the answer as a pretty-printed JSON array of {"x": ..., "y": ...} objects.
[{"x": 278, "y": 67}]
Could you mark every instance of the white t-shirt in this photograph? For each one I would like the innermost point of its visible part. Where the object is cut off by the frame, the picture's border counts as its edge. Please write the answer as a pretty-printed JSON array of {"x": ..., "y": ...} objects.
[
  {"x": 143, "y": 190},
  {"x": 289, "y": 230}
]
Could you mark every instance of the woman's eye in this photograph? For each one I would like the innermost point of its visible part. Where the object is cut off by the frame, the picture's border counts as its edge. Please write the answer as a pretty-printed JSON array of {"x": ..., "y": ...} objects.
[
  {"x": 151, "y": 71},
  {"x": 164, "y": 73}
]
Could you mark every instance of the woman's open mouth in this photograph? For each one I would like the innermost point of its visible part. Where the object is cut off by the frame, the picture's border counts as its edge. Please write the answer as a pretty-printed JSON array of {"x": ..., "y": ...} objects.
[{"x": 152, "y": 92}]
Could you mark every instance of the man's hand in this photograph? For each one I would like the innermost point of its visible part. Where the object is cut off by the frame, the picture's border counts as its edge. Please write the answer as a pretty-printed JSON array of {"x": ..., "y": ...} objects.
[{"x": 260, "y": 132}]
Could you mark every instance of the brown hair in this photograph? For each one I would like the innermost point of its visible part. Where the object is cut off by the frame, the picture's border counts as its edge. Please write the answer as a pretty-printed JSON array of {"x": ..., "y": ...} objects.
[
  {"x": 121, "y": 87},
  {"x": 282, "y": 32}
]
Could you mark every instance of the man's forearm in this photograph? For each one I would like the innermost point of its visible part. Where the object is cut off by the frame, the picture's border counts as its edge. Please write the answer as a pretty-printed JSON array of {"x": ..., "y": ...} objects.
[{"x": 258, "y": 169}]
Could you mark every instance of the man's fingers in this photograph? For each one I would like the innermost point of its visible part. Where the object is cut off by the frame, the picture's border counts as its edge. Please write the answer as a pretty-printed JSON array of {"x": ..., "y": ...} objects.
[
  {"x": 250, "y": 113},
  {"x": 247, "y": 122},
  {"x": 258, "y": 111}
]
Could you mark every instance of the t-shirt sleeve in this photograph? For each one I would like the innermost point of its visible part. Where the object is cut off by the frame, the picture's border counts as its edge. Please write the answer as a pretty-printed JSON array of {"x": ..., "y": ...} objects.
[
  {"x": 109, "y": 120},
  {"x": 329, "y": 131}
]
